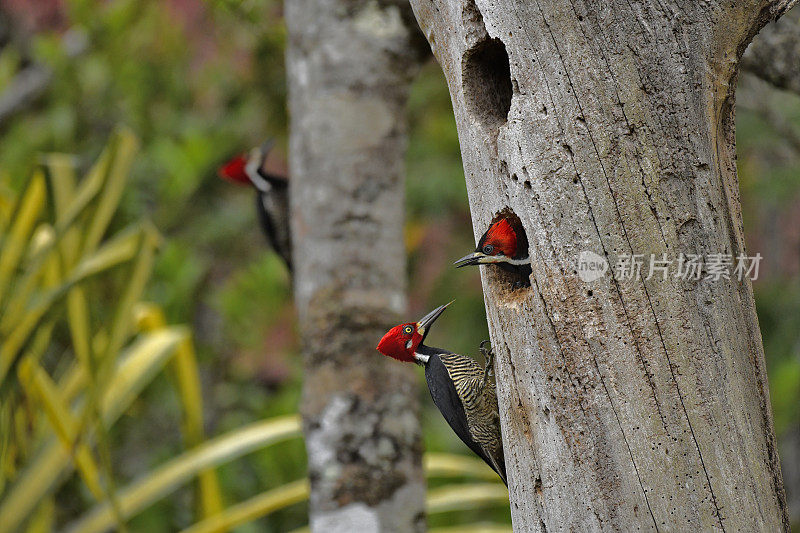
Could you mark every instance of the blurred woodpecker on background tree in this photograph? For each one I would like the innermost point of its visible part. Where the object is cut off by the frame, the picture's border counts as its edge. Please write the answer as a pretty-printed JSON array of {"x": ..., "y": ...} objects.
[
  {"x": 272, "y": 196},
  {"x": 463, "y": 391}
]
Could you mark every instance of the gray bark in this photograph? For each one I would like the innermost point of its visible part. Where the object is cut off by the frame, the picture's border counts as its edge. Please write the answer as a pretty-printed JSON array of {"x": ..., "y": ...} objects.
[
  {"x": 774, "y": 55},
  {"x": 639, "y": 404},
  {"x": 349, "y": 65}
]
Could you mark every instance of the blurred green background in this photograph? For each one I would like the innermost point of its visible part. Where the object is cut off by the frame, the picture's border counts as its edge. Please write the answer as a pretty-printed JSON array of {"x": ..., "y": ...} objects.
[{"x": 198, "y": 82}]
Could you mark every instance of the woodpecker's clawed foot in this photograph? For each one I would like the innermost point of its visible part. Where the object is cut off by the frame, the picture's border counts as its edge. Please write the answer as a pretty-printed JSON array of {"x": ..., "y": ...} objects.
[{"x": 486, "y": 352}]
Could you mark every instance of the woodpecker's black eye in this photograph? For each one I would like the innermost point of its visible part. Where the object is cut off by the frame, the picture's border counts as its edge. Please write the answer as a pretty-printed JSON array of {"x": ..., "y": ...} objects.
[
  {"x": 408, "y": 330},
  {"x": 488, "y": 249}
]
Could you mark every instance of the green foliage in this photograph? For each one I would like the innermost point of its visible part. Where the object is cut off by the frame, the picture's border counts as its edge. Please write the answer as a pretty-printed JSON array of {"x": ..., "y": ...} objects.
[{"x": 68, "y": 366}]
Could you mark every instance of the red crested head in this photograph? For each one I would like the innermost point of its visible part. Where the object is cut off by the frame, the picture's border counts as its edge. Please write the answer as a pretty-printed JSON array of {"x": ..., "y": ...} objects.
[
  {"x": 235, "y": 170},
  {"x": 499, "y": 239},
  {"x": 400, "y": 342},
  {"x": 503, "y": 242}
]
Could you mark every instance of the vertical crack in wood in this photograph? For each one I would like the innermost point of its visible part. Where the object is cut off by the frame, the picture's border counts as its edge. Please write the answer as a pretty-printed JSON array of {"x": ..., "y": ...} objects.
[{"x": 644, "y": 287}]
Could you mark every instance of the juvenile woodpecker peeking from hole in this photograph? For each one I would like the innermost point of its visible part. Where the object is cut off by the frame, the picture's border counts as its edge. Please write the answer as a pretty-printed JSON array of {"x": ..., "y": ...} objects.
[
  {"x": 504, "y": 244},
  {"x": 463, "y": 391},
  {"x": 272, "y": 196}
]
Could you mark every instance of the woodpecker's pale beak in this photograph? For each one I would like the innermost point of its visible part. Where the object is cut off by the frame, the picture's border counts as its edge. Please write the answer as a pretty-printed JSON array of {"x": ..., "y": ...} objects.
[
  {"x": 475, "y": 258},
  {"x": 425, "y": 322},
  {"x": 266, "y": 147}
]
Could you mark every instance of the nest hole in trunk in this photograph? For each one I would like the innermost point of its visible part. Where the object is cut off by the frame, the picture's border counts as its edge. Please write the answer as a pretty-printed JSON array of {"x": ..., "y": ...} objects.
[{"x": 486, "y": 79}]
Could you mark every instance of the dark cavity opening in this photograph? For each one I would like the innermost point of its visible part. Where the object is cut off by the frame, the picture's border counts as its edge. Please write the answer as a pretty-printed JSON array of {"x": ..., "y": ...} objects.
[
  {"x": 486, "y": 78},
  {"x": 512, "y": 278}
]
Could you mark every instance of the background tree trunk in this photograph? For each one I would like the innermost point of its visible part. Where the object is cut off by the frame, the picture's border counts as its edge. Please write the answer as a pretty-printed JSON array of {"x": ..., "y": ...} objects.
[
  {"x": 609, "y": 127},
  {"x": 774, "y": 55},
  {"x": 349, "y": 66}
]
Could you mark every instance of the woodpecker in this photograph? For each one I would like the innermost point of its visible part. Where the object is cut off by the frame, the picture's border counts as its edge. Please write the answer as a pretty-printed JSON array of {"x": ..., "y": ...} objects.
[
  {"x": 463, "y": 391},
  {"x": 272, "y": 196},
  {"x": 504, "y": 244}
]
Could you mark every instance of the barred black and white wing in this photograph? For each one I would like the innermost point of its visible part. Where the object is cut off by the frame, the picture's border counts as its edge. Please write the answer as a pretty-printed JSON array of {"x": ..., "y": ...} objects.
[{"x": 470, "y": 408}]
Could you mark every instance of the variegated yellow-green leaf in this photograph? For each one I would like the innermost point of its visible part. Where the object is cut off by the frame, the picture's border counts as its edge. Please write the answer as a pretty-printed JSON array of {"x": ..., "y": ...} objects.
[
  {"x": 149, "y": 317},
  {"x": 122, "y": 248},
  {"x": 181, "y": 469},
  {"x": 14, "y": 243},
  {"x": 448, "y": 465},
  {"x": 474, "y": 528},
  {"x": 138, "y": 365},
  {"x": 122, "y": 147},
  {"x": 254, "y": 508},
  {"x": 39, "y": 385},
  {"x": 466, "y": 496},
  {"x": 61, "y": 170},
  {"x": 44, "y": 518},
  {"x": 46, "y": 277}
]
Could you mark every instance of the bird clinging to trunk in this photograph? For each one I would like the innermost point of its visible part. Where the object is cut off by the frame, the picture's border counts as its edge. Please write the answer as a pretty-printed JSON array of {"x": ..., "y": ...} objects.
[
  {"x": 504, "y": 244},
  {"x": 463, "y": 391},
  {"x": 272, "y": 196}
]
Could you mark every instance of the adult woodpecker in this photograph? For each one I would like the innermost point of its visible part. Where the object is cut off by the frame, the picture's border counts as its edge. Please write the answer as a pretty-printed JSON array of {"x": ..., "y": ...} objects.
[
  {"x": 504, "y": 244},
  {"x": 272, "y": 196},
  {"x": 463, "y": 391}
]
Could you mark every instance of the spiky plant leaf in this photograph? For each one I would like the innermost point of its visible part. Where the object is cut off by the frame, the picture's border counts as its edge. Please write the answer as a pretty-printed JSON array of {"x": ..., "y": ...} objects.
[
  {"x": 176, "y": 472},
  {"x": 466, "y": 496},
  {"x": 138, "y": 364},
  {"x": 254, "y": 508}
]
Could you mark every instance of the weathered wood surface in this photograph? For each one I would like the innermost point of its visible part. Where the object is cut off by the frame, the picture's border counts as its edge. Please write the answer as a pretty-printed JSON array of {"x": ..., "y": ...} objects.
[
  {"x": 626, "y": 405},
  {"x": 349, "y": 66}
]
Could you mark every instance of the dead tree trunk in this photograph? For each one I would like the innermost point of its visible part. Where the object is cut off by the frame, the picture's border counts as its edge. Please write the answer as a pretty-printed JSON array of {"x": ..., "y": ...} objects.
[
  {"x": 608, "y": 126},
  {"x": 349, "y": 67}
]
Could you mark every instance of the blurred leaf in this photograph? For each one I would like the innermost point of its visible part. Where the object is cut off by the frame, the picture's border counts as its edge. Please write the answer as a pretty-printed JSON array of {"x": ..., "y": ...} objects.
[
  {"x": 137, "y": 367},
  {"x": 467, "y": 496},
  {"x": 474, "y": 528},
  {"x": 179, "y": 470},
  {"x": 120, "y": 249},
  {"x": 43, "y": 520},
  {"x": 13, "y": 244},
  {"x": 78, "y": 320},
  {"x": 254, "y": 508},
  {"x": 39, "y": 385},
  {"x": 448, "y": 464},
  {"x": 46, "y": 277},
  {"x": 149, "y": 317},
  {"x": 61, "y": 168},
  {"x": 138, "y": 364},
  {"x": 122, "y": 147},
  {"x": 272, "y": 500}
]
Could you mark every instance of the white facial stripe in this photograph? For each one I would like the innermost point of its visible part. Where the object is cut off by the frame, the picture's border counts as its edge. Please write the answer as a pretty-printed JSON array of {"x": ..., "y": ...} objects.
[
  {"x": 260, "y": 183},
  {"x": 494, "y": 259},
  {"x": 408, "y": 344},
  {"x": 251, "y": 169}
]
